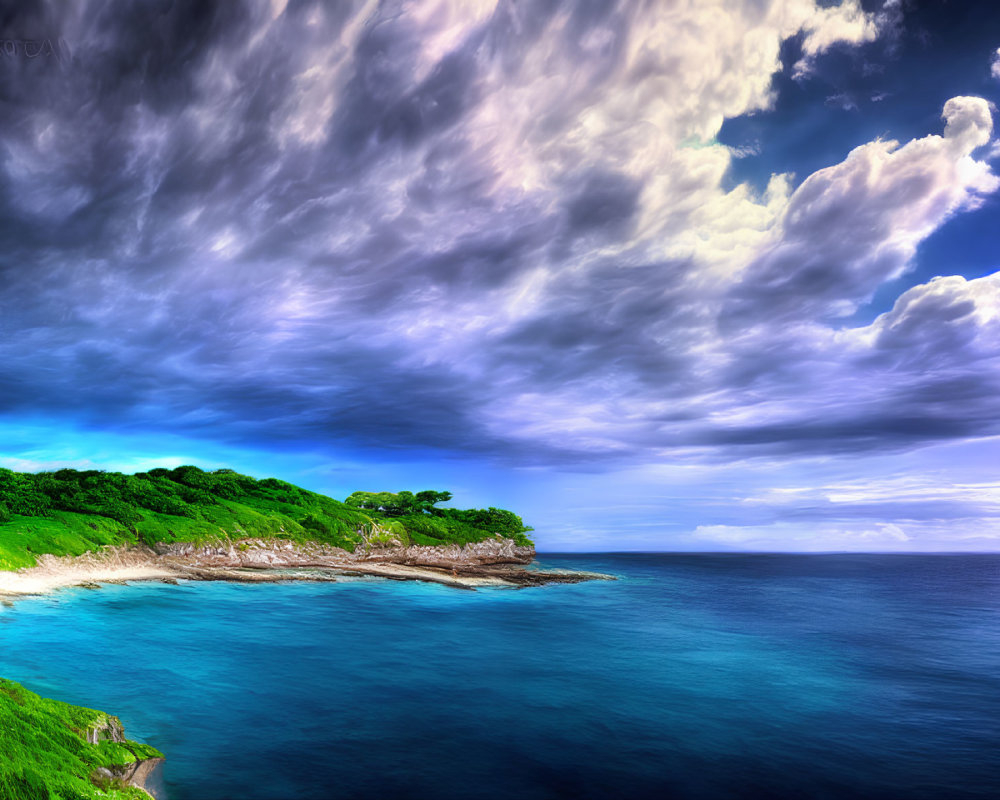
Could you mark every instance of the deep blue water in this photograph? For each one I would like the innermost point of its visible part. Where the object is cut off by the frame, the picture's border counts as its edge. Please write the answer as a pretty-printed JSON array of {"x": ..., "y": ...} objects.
[{"x": 701, "y": 676}]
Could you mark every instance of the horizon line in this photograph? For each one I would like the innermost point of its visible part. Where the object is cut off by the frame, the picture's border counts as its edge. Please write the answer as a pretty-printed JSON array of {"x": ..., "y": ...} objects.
[{"x": 772, "y": 552}]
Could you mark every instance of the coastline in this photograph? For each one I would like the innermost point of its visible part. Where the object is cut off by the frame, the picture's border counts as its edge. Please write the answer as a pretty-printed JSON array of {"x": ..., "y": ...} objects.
[
  {"x": 52, "y": 575},
  {"x": 491, "y": 563}
]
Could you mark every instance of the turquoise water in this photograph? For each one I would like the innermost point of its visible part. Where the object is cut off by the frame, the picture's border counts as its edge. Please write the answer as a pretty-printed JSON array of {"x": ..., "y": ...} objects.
[{"x": 692, "y": 676}]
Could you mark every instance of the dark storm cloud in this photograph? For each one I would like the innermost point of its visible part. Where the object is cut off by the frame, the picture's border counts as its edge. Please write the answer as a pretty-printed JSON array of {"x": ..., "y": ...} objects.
[
  {"x": 605, "y": 322},
  {"x": 147, "y": 61},
  {"x": 350, "y": 223},
  {"x": 375, "y": 112},
  {"x": 604, "y": 203},
  {"x": 73, "y": 119}
]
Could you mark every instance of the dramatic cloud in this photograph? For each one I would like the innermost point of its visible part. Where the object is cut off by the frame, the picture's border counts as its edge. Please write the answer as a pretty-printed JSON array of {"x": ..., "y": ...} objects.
[
  {"x": 754, "y": 357},
  {"x": 501, "y": 228},
  {"x": 852, "y": 227}
]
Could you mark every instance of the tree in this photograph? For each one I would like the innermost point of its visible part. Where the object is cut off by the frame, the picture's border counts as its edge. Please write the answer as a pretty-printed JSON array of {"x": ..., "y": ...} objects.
[
  {"x": 427, "y": 498},
  {"x": 398, "y": 505}
]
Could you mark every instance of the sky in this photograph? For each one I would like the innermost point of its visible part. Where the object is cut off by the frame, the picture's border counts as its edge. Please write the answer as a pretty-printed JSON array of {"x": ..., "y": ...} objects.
[{"x": 657, "y": 275}]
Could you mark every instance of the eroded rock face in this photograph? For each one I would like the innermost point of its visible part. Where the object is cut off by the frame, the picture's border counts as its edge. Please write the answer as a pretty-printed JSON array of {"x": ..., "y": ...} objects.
[
  {"x": 265, "y": 553},
  {"x": 250, "y": 553},
  {"x": 110, "y": 731},
  {"x": 492, "y": 562},
  {"x": 142, "y": 774},
  {"x": 490, "y": 551},
  {"x": 136, "y": 773}
]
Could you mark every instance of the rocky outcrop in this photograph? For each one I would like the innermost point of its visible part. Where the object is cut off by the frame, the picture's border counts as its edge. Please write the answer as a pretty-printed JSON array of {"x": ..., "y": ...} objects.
[
  {"x": 271, "y": 553},
  {"x": 135, "y": 773},
  {"x": 109, "y": 731},
  {"x": 492, "y": 562},
  {"x": 453, "y": 556},
  {"x": 251, "y": 553},
  {"x": 496, "y": 561}
]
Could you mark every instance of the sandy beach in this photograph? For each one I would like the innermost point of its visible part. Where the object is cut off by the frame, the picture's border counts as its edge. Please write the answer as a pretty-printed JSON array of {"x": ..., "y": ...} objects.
[{"x": 111, "y": 566}]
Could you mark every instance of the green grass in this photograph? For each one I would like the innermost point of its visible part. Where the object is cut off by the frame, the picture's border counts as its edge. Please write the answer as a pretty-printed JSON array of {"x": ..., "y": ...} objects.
[
  {"x": 44, "y": 753},
  {"x": 67, "y": 512}
]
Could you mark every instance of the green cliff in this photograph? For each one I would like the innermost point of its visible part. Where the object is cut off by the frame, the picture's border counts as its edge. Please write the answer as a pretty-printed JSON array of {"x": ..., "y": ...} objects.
[
  {"x": 70, "y": 512},
  {"x": 54, "y": 751}
]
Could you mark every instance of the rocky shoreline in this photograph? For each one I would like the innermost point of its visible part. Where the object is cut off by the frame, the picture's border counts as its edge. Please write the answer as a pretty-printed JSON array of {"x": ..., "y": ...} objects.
[
  {"x": 137, "y": 773},
  {"x": 493, "y": 562}
]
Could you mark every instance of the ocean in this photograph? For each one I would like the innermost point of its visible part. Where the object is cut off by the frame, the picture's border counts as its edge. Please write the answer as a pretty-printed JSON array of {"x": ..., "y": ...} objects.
[{"x": 692, "y": 676}]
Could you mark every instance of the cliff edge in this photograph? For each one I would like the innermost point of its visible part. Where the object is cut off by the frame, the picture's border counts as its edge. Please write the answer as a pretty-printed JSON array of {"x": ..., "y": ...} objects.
[{"x": 53, "y": 749}]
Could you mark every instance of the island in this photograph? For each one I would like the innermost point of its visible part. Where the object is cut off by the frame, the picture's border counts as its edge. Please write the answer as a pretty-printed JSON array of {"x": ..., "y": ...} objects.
[{"x": 71, "y": 528}]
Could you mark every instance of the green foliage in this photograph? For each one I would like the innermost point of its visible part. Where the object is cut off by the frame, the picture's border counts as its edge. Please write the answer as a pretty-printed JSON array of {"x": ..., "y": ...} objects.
[
  {"x": 44, "y": 753},
  {"x": 428, "y": 525},
  {"x": 400, "y": 504},
  {"x": 495, "y": 520},
  {"x": 20, "y": 494},
  {"x": 70, "y": 512}
]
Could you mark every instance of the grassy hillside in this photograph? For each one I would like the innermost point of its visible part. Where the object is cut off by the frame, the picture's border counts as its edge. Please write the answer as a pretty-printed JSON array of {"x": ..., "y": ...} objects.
[
  {"x": 68, "y": 512},
  {"x": 45, "y": 755}
]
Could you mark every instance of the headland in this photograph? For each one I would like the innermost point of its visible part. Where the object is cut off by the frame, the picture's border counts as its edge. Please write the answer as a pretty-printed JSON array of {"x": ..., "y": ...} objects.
[{"x": 71, "y": 528}]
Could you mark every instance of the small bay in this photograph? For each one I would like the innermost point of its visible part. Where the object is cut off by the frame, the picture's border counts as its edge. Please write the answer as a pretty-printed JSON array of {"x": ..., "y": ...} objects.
[{"x": 707, "y": 676}]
